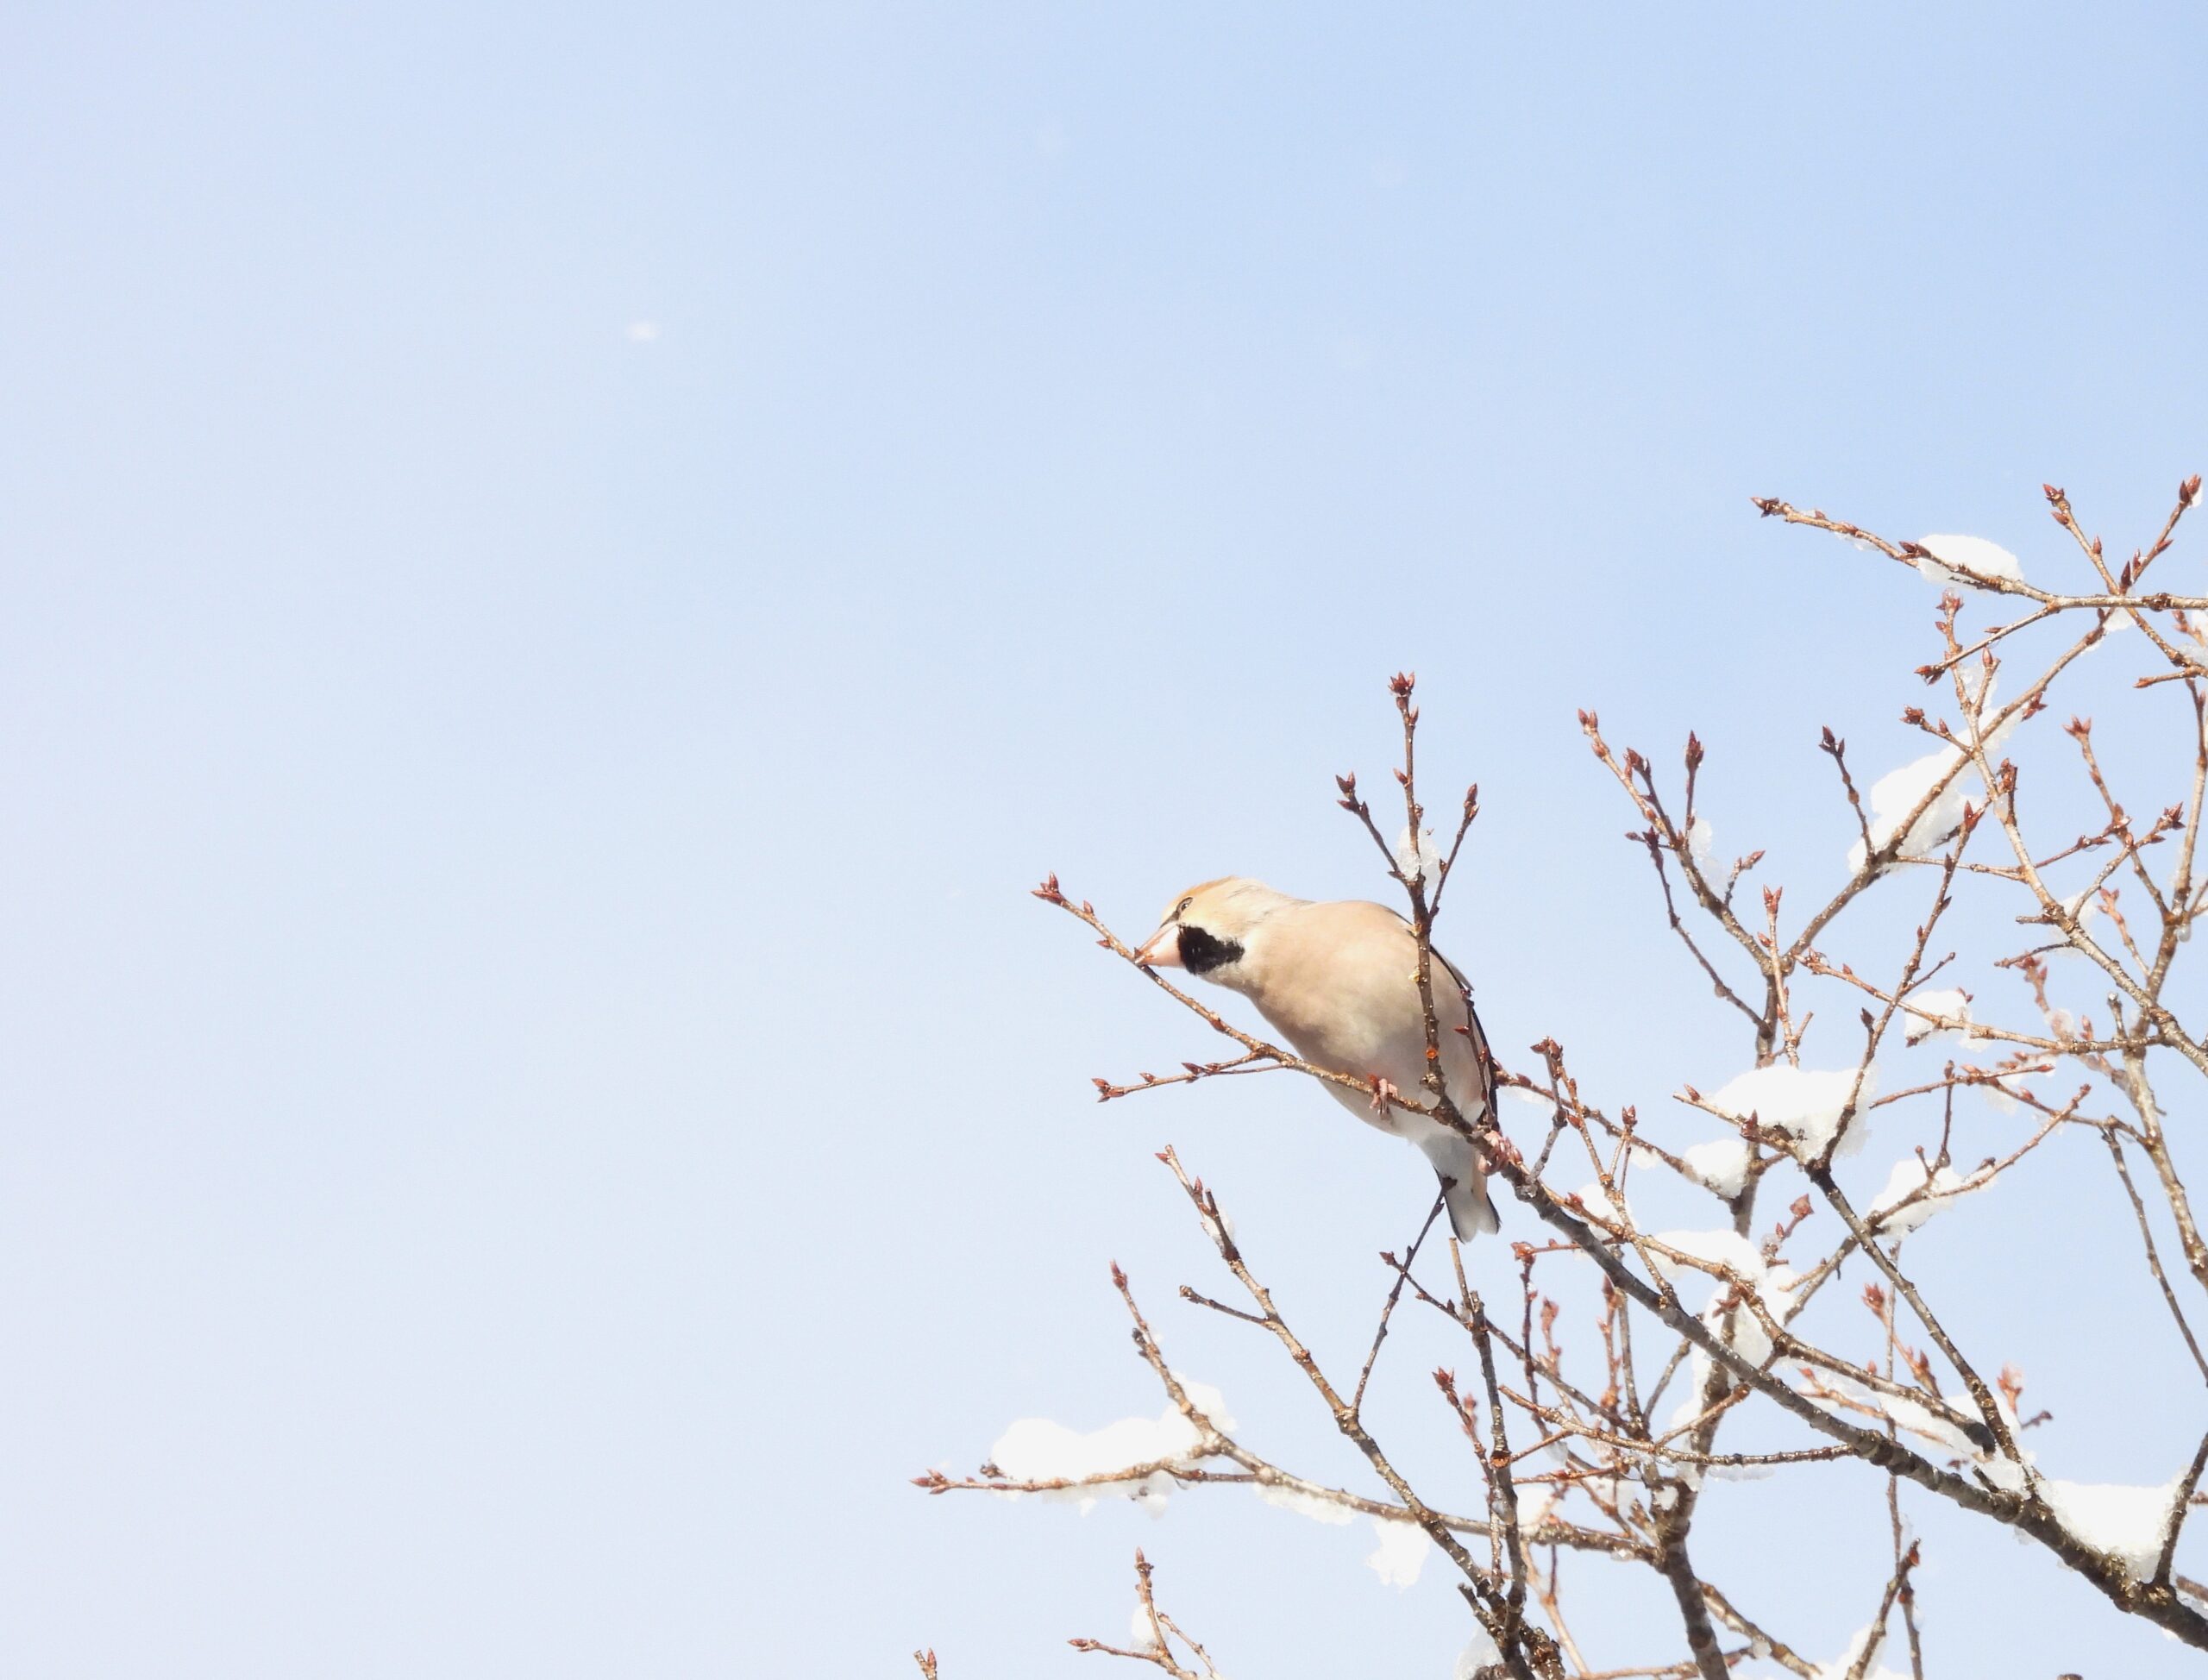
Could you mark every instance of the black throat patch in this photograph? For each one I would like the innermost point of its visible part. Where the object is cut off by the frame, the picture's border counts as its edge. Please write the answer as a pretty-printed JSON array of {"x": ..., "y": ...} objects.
[{"x": 1201, "y": 952}]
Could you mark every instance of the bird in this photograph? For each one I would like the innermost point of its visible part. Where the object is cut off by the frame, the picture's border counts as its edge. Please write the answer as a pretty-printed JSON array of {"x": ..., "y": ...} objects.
[{"x": 1340, "y": 982}]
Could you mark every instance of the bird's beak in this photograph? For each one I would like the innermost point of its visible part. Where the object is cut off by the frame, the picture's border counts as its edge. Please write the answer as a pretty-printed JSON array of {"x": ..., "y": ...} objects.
[{"x": 1163, "y": 951}]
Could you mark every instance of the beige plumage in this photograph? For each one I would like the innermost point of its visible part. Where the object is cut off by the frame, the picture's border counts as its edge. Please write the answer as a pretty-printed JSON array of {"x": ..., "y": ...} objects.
[{"x": 1340, "y": 982}]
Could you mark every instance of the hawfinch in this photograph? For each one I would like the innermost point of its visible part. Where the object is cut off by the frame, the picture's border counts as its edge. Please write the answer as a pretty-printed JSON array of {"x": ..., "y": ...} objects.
[{"x": 1340, "y": 982}]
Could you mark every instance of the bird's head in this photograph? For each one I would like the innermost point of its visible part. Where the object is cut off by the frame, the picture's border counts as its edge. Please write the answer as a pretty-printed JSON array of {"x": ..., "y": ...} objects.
[{"x": 1206, "y": 928}]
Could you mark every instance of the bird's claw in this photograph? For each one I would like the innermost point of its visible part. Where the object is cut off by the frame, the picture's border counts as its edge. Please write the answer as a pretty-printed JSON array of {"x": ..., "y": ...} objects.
[{"x": 1383, "y": 1093}]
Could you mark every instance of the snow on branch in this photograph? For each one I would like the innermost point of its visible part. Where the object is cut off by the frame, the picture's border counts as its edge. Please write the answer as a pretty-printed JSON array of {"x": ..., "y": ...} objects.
[{"x": 1627, "y": 1375}]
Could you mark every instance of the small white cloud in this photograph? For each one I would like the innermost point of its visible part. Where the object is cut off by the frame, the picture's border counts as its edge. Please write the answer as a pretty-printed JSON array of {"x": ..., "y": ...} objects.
[{"x": 642, "y": 332}]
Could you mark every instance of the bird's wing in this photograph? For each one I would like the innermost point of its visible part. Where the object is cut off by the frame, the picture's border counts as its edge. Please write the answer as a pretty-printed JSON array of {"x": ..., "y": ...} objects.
[
  {"x": 1475, "y": 1035},
  {"x": 1336, "y": 978}
]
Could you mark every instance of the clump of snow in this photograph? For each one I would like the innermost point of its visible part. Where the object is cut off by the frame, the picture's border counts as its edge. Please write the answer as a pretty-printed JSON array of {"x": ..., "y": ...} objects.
[
  {"x": 1897, "y": 793},
  {"x": 1305, "y": 1504},
  {"x": 1926, "y": 1419},
  {"x": 1401, "y": 1552},
  {"x": 1700, "y": 838},
  {"x": 1935, "y": 1190},
  {"x": 2130, "y": 1525},
  {"x": 1999, "y": 1100},
  {"x": 1807, "y": 1102},
  {"x": 1988, "y": 560},
  {"x": 1951, "y": 1007},
  {"x": 1039, "y": 1449},
  {"x": 1741, "y": 1329},
  {"x": 1535, "y": 1502},
  {"x": 1539, "y": 1099},
  {"x": 1722, "y": 1164},
  {"x": 1720, "y": 1248},
  {"x": 2083, "y": 905},
  {"x": 1417, "y": 859},
  {"x": 1865, "y": 1643},
  {"x": 1740, "y": 1472},
  {"x": 1476, "y": 1659},
  {"x": 1921, "y": 1420},
  {"x": 1738, "y": 1326},
  {"x": 1691, "y": 1402},
  {"x": 1141, "y": 1632},
  {"x": 1596, "y": 1201}
]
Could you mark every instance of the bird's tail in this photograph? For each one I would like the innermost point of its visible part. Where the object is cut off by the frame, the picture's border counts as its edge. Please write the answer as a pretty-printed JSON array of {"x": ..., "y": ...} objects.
[{"x": 1472, "y": 1210}]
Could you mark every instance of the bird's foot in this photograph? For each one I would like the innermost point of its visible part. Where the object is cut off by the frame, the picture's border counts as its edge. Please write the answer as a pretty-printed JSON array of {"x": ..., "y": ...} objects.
[{"x": 1383, "y": 1093}]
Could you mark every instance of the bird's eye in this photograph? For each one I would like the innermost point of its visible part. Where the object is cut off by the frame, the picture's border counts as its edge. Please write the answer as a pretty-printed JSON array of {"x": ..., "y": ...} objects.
[{"x": 1182, "y": 908}]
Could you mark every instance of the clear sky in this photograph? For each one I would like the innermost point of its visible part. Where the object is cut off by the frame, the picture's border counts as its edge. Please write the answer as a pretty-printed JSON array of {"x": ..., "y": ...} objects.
[{"x": 564, "y": 568}]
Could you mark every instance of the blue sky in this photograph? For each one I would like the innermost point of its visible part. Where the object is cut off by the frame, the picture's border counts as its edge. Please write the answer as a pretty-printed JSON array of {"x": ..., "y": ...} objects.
[{"x": 565, "y": 569}]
